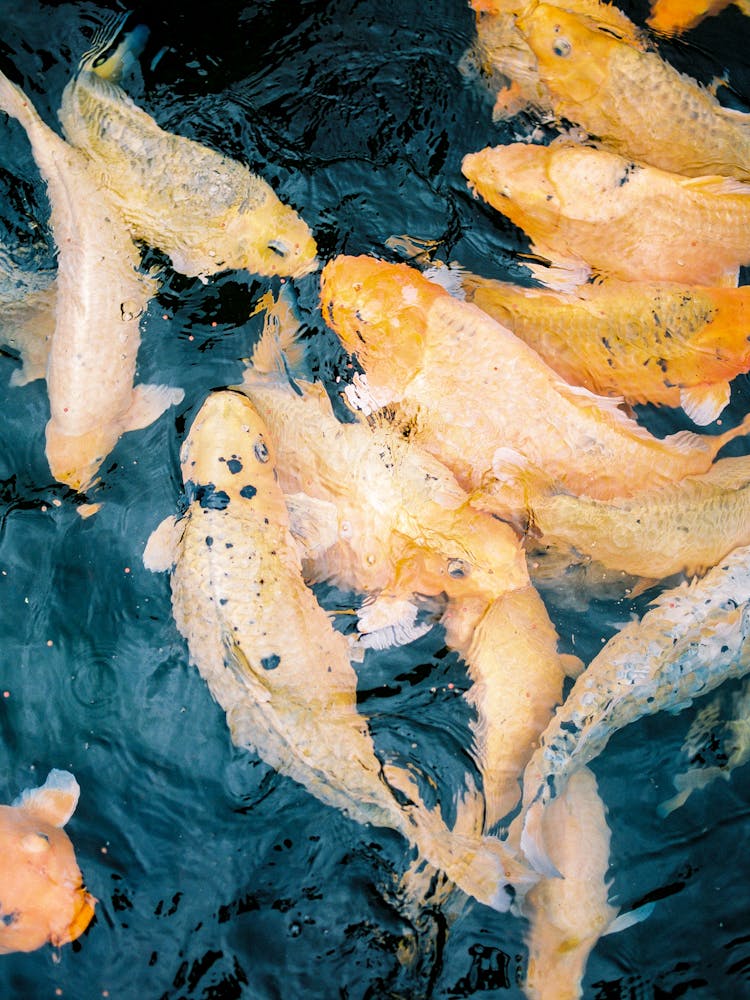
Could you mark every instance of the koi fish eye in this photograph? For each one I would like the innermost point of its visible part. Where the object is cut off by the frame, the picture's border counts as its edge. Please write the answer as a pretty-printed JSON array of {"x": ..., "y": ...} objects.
[
  {"x": 279, "y": 248},
  {"x": 458, "y": 569},
  {"x": 562, "y": 47},
  {"x": 35, "y": 843},
  {"x": 260, "y": 450}
]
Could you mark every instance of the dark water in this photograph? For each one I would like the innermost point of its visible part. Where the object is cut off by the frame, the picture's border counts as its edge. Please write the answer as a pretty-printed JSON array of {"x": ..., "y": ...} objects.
[{"x": 215, "y": 877}]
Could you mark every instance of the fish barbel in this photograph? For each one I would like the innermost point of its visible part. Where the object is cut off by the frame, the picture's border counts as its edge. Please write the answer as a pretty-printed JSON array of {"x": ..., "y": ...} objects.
[
  {"x": 41, "y": 893},
  {"x": 206, "y": 211},
  {"x": 610, "y": 88},
  {"x": 101, "y": 296},
  {"x": 674, "y": 345},
  {"x": 393, "y": 521},
  {"x": 270, "y": 655},
  {"x": 693, "y": 638},
  {"x": 683, "y": 527},
  {"x": 589, "y": 207},
  {"x": 408, "y": 333}
]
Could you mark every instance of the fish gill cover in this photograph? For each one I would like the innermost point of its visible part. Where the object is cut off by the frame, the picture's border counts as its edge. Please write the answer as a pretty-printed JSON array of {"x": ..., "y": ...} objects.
[{"x": 216, "y": 877}]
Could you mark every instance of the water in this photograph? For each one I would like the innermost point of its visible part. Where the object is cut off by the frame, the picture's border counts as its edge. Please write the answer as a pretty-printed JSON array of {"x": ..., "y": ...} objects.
[{"x": 216, "y": 878}]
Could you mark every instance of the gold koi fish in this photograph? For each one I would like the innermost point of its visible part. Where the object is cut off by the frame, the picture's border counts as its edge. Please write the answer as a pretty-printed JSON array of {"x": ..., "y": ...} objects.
[
  {"x": 270, "y": 655},
  {"x": 41, "y": 893},
  {"x": 610, "y": 87},
  {"x": 101, "y": 296},
  {"x": 692, "y": 639},
  {"x": 408, "y": 333},
  {"x": 674, "y": 345},
  {"x": 673, "y": 17},
  {"x": 590, "y": 208},
  {"x": 206, "y": 211}
]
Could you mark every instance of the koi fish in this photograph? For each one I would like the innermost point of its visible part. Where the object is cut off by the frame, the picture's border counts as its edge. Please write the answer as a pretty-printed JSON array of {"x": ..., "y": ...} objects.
[
  {"x": 717, "y": 742},
  {"x": 673, "y": 345},
  {"x": 28, "y": 300},
  {"x": 270, "y": 655},
  {"x": 673, "y": 17},
  {"x": 609, "y": 87},
  {"x": 207, "y": 212},
  {"x": 408, "y": 331},
  {"x": 42, "y": 897},
  {"x": 377, "y": 513},
  {"x": 693, "y": 638},
  {"x": 590, "y": 208},
  {"x": 503, "y": 58},
  {"x": 684, "y": 527},
  {"x": 101, "y": 296},
  {"x": 568, "y": 915}
]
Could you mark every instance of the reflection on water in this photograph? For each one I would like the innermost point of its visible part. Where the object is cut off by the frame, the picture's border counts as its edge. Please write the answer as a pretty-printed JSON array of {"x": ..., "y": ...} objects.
[{"x": 216, "y": 878}]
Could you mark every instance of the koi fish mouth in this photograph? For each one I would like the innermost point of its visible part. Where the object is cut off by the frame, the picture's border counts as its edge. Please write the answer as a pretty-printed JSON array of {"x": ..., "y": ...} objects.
[{"x": 81, "y": 918}]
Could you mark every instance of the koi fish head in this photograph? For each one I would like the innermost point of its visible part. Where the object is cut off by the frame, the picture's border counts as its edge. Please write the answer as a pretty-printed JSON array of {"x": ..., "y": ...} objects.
[
  {"x": 514, "y": 180},
  {"x": 270, "y": 238},
  {"x": 41, "y": 893},
  {"x": 228, "y": 454},
  {"x": 572, "y": 53},
  {"x": 74, "y": 459},
  {"x": 379, "y": 311}
]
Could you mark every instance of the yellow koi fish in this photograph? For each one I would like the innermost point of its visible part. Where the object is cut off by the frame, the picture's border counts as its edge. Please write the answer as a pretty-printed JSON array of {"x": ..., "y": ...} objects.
[
  {"x": 377, "y": 513},
  {"x": 101, "y": 296},
  {"x": 408, "y": 333},
  {"x": 206, "y": 211},
  {"x": 684, "y": 527},
  {"x": 692, "y": 639},
  {"x": 41, "y": 893},
  {"x": 675, "y": 345},
  {"x": 270, "y": 655},
  {"x": 610, "y": 87},
  {"x": 583, "y": 207}
]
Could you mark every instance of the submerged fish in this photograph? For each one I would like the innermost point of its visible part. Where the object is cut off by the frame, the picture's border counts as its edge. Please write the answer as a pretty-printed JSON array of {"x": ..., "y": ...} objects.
[
  {"x": 585, "y": 207},
  {"x": 610, "y": 88},
  {"x": 674, "y": 345},
  {"x": 270, "y": 655},
  {"x": 692, "y": 639},
  {"x": 672, "y": 17},
  {"x": 510, "y": 649},
  {"x": 41, "y": 893},
  {"x": 101, "y": 296},
  {"x": 206, "y": 211},
  {"x": 683, "y": 527},
  {"x": 28, "y": 301},
  {"x": 568, "y": 915},
  {"x": 408, "y": 333},
  {"x": 717, "y": 742}
]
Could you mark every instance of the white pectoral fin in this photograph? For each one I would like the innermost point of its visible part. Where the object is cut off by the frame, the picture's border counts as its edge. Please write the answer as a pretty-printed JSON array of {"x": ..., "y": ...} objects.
[
  {"x": 314, "y": 523},
  {"x": 55, "y": 801},
  {"x": 625, "y": 920},
  {"x": 704, "y": 403},
  {"x": 241, "y": 667},
  {"x": 389, "y": 621},
  {"x": 148, "y": 404},
  {"x": 160, "y": 553}
]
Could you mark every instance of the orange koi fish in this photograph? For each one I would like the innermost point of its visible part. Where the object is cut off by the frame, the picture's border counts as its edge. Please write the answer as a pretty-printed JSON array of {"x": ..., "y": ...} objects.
[
  {"x": 590, "y": 207},
  {"x": 610, "y": 88},
  {"x": 675, "y": 345},
  {"x": 41, "y": 893},
  {"x": 673, "y": 17},
  {"x": 408, "y": 333}
]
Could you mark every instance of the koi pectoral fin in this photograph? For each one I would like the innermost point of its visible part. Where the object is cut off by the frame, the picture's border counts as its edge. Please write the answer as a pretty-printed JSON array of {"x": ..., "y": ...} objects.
[
  {"x": 148, "y": 403},
  {"x": 704, "y": 403}
]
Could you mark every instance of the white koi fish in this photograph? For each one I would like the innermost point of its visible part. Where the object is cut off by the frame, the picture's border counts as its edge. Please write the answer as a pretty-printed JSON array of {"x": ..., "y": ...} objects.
[
  {"x": 101, "y": 296},
  {"x": 270, "y": 655}
]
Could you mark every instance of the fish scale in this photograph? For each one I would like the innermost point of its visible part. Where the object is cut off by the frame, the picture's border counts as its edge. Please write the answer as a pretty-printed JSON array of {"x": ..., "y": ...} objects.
[{"x": 693, "y": 639}]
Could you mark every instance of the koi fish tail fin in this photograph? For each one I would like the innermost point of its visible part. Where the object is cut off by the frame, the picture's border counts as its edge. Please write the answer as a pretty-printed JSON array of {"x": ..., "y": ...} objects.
[
  {"x": 109, "y": 60},
  {"x": 278, "y": 352}
]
